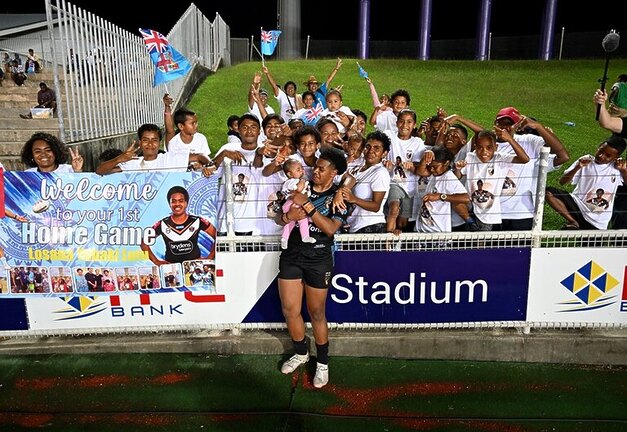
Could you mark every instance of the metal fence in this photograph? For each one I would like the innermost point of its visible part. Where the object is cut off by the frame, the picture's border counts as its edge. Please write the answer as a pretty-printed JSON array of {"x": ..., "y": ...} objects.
[
  {"x": 567, "y": 45},
  {"x": 103, "y": 75}
]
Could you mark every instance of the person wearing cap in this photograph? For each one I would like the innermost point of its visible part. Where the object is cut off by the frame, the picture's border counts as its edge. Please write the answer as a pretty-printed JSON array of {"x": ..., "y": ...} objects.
[
  {"x": 46, "y": 98},
  {"x": 518, "y": 197},
  {"x": 320, "y": 91},
  {"x": 258, "y": 99}
]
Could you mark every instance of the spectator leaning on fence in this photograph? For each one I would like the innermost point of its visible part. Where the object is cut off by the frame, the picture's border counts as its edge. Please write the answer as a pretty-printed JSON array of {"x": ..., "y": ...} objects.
[
  {"x": 149, "y": 136},
  {"x": 485, "y": 171},
  {"x": 443, "y": 191},
  {"x": 405, "y": 153},
  {"x": 519, "y": 189},
  {"x": 372, "y": 184},
  {"x": 246, "y": 178}
]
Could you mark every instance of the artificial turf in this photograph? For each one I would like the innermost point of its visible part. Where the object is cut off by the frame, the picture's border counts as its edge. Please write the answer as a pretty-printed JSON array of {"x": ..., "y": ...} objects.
[{"x": 180, "y": 392}]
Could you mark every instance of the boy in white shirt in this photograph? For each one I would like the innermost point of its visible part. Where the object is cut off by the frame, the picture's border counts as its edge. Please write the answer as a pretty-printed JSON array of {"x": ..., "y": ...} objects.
[
  {"x": 402, "y": 160},
  {"x": 596, "y": 179},
  {"x": 188, "y": 139},
  {"x": 384, "y": 119},
  {"x": 151, "y": 160},
  {"x": 485, "y": 171},
  {"x": 443, "y": 190}
]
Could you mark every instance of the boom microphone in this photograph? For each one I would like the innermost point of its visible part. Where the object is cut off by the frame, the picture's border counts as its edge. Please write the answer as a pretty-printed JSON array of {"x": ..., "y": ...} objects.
[
  {"x": 610, "y": 41},
  {"x": 610, "y": 44}
]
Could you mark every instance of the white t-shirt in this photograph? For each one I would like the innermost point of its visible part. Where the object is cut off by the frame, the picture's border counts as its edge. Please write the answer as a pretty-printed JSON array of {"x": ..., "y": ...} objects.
[
  {"x": 171, "y": 161},
  {"x": 291, "y": 184},
  {"x": 61, "y": 169},
  {"x": 245, "y": 189},
  {"x": 199, "y": 145},
  {"x": 255, "y": 111},
  {"x": 435, "y": 216},
  {"x": 521, "y": 180},
  {"x": 595, "y": 189},
  {"x": 333, "y": 117},
  {"x": 486, "y": 201},
  {"x": 287, "y": 111},
  {"x": 386, "y": 120},
  {"x": 456, "y": 220},
  {"x": 374, "y": 179},
  {"x": 410, "y": 150},
  {"x": 233, "y": 139}
]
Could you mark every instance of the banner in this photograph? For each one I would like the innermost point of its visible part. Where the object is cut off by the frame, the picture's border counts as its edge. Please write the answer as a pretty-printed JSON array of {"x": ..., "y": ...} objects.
[
  {"x": 417, "y": 287},
  {"x": 125, "y": 233},
  {"x": 582, "y": 285}
]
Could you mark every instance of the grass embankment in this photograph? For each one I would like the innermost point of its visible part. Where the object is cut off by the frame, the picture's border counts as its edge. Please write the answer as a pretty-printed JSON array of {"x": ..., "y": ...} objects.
[{"x": 553, "y": 92}]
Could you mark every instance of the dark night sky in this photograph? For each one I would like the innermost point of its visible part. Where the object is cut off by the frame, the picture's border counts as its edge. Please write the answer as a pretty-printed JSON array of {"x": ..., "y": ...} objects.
[{"x": 390, "y": 20}]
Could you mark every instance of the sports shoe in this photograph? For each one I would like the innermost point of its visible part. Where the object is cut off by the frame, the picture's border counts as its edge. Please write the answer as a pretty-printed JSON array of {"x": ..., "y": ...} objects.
[
  {"x": 309, "y": 240},
  {"x": 321, "y": 378},
  {"x": 283, "y": 243},
  {"x": 294, "y": 362}
]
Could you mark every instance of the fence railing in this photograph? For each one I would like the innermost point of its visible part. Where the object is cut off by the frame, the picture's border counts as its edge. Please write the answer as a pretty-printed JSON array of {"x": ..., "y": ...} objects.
[{"x": 103, "y": 75}]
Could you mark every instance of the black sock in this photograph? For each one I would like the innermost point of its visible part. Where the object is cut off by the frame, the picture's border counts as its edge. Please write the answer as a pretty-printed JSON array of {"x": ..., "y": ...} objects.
[
  {"x": 300, "y": 346},
  {"x": 322, "y": 353}
]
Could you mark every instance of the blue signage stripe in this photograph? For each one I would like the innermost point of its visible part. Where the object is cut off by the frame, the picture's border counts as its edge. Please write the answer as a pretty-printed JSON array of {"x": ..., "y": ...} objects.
[
  {"x": 420, "y": 287},
  {"x": 13, "y": 314}
]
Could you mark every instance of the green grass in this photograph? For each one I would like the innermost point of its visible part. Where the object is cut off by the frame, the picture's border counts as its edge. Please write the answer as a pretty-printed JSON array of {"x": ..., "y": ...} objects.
[{"x": 553, "y": 92}]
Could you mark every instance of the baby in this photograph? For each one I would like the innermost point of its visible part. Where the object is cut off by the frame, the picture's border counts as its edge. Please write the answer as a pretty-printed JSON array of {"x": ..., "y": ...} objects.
[
  {"x": 295, "y": 182},
  {"x": 335, "y": 106}
]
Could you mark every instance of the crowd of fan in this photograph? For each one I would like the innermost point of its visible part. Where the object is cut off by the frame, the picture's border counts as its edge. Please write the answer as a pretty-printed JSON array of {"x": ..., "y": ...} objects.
[{"x": 446, "y": 173}]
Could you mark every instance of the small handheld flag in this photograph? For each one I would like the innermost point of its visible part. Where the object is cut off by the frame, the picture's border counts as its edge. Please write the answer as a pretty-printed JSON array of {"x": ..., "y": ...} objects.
[
  {"x": 269, "y": 41},
  {"x": 169, "y": 63},
  {"x": 312, "y": 114},
  {"x": 362, "y": 72}
]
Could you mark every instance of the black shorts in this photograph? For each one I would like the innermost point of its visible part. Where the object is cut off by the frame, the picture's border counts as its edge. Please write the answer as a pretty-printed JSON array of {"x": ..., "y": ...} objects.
[
  {"x": 313, "y": 265},
  {"x": 572, "y": 207}
]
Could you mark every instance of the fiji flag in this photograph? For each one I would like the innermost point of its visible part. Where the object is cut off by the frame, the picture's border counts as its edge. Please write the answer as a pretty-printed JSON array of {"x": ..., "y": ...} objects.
[
  {"x": 362, "y": 71},
  {"x": 169, "y": 63},
  {"x": 269, "y": 41}
]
